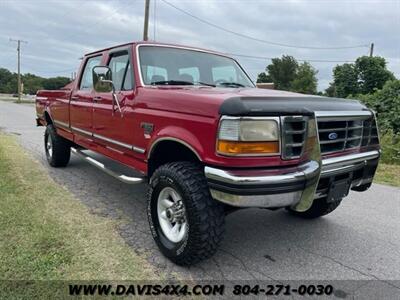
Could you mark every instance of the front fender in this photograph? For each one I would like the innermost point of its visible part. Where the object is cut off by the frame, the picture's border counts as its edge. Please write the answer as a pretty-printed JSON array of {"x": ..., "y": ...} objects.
[{"x": 180, "y": 135}]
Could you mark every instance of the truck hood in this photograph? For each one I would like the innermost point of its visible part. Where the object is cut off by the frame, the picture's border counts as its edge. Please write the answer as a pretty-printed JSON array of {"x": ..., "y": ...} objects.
[{"x": 209, "y": 101}]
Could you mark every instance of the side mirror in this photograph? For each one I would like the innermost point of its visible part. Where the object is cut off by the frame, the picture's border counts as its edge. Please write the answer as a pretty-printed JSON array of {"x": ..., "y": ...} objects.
[{"x": 102, "y": 79}]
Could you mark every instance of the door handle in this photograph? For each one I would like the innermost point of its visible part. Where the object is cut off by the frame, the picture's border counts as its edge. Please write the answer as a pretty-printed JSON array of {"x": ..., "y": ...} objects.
[
  {"x": 97, "y": 98},
  {"x": 74, "y": 98}
]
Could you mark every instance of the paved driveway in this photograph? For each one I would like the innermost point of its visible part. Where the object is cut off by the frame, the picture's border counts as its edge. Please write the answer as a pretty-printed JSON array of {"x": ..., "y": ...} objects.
[{"x": 359, "y": 241}]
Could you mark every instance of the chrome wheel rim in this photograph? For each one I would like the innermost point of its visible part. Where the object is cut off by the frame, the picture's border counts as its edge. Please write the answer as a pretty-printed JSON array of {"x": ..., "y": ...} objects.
[
  {"x": 172, "y": 215},
  {"x": 49, "y": 146}
]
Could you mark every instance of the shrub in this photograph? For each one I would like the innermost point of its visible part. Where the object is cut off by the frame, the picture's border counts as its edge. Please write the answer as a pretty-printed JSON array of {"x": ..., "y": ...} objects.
[
  {"x": 390, "y": 144},
  {"x": 386, "y": 104}
]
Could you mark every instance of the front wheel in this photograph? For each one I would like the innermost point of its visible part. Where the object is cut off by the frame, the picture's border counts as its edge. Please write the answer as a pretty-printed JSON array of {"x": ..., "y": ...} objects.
[{"x": 186, "y": 223}]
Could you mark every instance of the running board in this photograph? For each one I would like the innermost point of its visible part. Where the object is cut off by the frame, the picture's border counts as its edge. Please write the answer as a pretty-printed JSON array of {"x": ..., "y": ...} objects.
[{"x": 101, "y": 166}]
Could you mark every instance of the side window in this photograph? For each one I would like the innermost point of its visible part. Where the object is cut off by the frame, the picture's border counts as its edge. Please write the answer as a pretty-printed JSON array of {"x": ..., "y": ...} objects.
[
  {"x": 190, "y": 74},
  {"x": 121, "y": 71},
  {"x": 87, "y": 76}
]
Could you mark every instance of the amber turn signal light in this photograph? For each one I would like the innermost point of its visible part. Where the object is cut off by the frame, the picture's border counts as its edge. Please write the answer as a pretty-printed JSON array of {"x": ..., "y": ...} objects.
[{"x": 237, "y": 148}]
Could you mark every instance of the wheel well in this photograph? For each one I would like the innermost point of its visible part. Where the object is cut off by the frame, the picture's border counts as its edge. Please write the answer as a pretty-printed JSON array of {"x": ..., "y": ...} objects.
[
  {"x": 169, "y": 151},
  {"x": 47, "y": 118}
]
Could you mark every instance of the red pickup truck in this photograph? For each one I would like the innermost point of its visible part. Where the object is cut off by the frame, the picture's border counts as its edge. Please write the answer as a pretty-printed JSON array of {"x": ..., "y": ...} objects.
[{"x": 207, "y": 141}]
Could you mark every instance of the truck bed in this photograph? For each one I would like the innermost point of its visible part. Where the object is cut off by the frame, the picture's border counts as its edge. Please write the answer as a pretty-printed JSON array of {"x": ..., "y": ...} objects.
[{"x": 55, "y": 102}]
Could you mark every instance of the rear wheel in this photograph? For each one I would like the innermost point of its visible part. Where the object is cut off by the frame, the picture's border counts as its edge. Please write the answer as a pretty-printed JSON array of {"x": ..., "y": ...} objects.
[
  {"x": 57, "y": 149},
  {"x": 186, "y": 223},
  {"x": 319, "y": 208}
]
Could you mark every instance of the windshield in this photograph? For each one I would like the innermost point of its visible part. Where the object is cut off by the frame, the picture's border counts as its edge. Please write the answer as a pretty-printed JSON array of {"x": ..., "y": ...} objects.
[{"x": 174, "y": 66}]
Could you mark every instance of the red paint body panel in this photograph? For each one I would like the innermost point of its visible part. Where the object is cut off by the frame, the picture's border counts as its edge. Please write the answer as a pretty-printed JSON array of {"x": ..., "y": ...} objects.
[{"x": 186, "y": 113}]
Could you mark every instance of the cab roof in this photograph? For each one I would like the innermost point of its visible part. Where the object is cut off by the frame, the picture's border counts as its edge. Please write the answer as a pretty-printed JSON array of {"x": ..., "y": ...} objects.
[{"x": 156, "y": 43}]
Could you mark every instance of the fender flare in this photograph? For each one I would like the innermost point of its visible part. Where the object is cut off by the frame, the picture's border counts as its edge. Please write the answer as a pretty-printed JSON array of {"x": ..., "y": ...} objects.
[
  {"x": 47, "y": 111},
  {"x": 179, "y": 135}
]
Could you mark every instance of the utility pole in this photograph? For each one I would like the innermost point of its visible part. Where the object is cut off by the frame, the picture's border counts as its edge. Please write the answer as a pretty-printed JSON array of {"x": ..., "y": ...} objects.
[
  {"x": 146, "y": 20},
  {"x": 371, "y": 50},
  {"x": 19, "y": 65}
]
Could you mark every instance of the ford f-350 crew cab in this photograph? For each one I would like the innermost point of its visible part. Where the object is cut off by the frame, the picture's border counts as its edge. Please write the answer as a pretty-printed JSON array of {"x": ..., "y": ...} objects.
[{"x": 207, "y": 141}]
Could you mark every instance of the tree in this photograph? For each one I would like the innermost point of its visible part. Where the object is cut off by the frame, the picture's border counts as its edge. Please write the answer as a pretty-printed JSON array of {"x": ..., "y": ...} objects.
[
  {"x": 32, "y": 83},
  {"x": 331, "y": 90},
  {"x": 386, "y": 104},
  {"x": 6, "y": 80},
  {"x": 372, "y": 73},
  {"x": 55, "y": 83},
  {"x": 305, "y": 80},
  {"x": 287, "y": 74},
  {"x": 263, "y": 78},
  {"x": 362, "y": 77},
  {"x": 345, "y": 80},
  {"x": 282, "y": 71}
]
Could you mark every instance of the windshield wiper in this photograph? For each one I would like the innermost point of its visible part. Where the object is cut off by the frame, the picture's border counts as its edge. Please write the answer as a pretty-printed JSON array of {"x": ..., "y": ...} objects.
[
  {"x": 172, "y": 82},
  {"x": 235, "y": 84},
  {"x": 180, "y": 82},
  {"x": 207, "y": 84}
]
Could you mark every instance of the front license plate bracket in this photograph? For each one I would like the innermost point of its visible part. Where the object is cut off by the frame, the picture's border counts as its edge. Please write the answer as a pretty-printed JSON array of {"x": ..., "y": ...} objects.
[{"x": 338, "y": 190}]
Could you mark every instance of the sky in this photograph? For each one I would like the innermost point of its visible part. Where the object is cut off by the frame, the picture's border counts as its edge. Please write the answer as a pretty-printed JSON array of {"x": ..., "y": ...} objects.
[{"x": 59, "y": 32}]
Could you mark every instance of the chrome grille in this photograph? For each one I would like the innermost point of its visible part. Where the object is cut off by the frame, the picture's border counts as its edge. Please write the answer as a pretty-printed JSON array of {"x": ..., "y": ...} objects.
[
  {"x": 293, "y": 136},
  {"x": 370, "y": 133},
  {"x": 335, "y": 134},
  {"x": 342, "y": 134}
]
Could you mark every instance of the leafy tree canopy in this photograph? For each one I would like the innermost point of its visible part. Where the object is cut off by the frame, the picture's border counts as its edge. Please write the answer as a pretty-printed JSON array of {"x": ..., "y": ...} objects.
[
  {"x": 362, "y": 77},
  {"x": 306, "y": 79},
  {"x": 32, "y": 83},
  {"x": 287, "y": 74},
  {"x": 346, "y": 80},
  {"x": 263, "y": 78},
  {"x": 283, "y": 71},
  {"x": 372, "y": 73},
  {"x": 386, "y": 104}
]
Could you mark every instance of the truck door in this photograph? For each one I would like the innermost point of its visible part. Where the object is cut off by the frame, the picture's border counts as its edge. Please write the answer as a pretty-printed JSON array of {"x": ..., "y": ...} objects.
[
  {"x": 112, "y": 127},
  {"x": 81, "y": 104}
]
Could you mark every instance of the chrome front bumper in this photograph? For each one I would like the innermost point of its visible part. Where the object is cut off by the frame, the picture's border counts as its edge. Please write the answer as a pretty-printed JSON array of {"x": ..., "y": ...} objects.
[{"x": 293, "y": 186}]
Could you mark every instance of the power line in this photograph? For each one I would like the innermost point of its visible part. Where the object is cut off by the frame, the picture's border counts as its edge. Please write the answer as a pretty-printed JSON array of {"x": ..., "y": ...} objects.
[
  {"x": 96, "y": 23},
  {"x": 100, "y": 21},
  {"x": 257, "y": 39},
  {"x": 62, "y": 16},
  {"x": 303, "y": 60}
]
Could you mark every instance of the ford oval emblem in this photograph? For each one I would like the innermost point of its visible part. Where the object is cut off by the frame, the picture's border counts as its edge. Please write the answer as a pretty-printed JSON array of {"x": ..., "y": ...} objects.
[{"x": 333, "y": 136}]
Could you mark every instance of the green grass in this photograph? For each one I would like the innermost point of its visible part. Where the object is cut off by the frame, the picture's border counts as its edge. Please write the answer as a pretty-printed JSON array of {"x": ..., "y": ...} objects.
[
  {"x": 47, "y": 234},
  {"x": 388, "y": 174}
]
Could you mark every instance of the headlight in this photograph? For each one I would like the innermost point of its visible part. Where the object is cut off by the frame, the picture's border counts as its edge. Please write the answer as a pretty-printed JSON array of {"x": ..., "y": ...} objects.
[{"x": 248, "y": 136}]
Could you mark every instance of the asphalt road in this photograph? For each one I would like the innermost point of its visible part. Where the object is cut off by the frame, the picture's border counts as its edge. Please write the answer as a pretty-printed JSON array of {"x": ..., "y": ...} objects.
[{"x": 358, "y": 241}]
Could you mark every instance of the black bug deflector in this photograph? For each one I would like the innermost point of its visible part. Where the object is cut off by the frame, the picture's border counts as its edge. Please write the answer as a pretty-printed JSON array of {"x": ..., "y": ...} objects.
[{"x": 281, "y": 106}]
